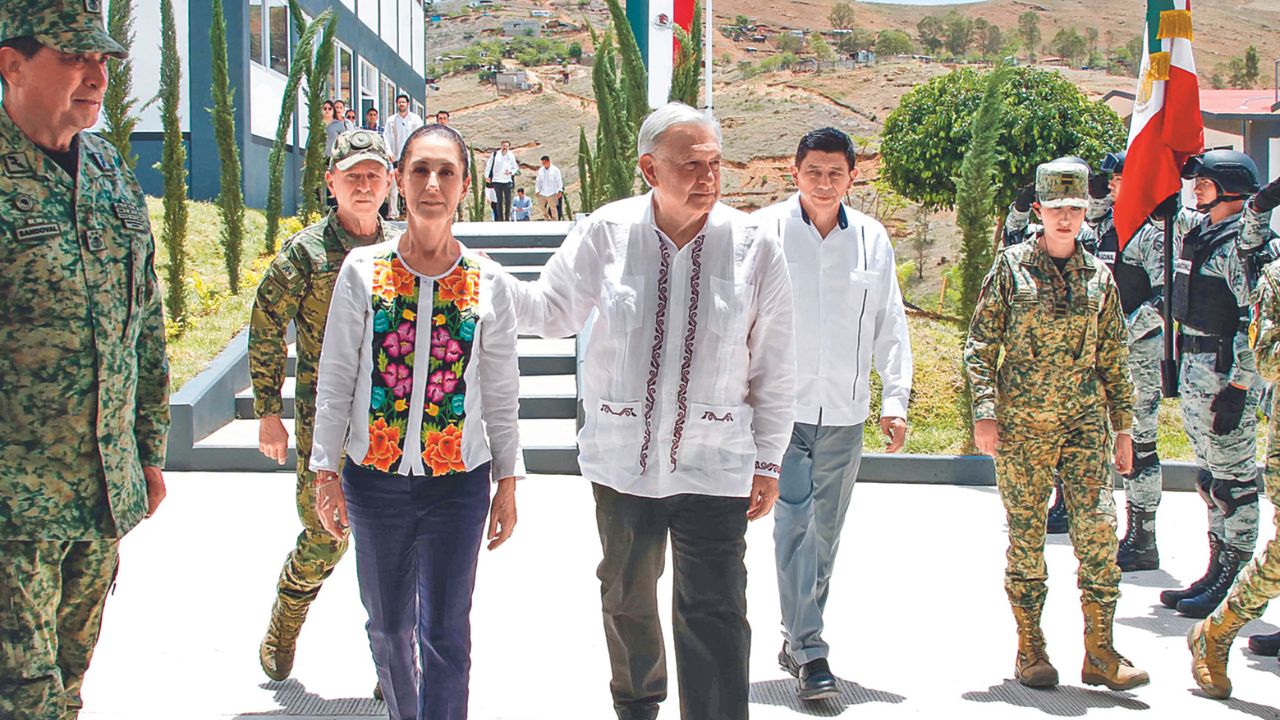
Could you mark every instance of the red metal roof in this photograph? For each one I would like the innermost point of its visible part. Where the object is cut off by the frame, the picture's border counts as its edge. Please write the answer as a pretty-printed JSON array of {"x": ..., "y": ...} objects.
[{"x": 1236, "y": 102}]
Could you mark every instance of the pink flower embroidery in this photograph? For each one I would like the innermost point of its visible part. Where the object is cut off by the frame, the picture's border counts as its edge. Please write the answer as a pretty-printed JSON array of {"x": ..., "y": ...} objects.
[
  {"x": 444, "y": 347},
  {"x": 399, "y": 378},
  {"x": 400, "y": 343},
  {"x": 440, "y": 383}
]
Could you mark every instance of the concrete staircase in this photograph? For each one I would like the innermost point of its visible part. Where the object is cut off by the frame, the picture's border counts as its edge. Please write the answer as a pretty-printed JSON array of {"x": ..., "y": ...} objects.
[{"x": 548, "y": 384}]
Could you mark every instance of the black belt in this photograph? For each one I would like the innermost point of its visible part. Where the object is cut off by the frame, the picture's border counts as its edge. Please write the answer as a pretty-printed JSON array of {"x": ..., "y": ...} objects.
[{"x": 1202, "y": 343}]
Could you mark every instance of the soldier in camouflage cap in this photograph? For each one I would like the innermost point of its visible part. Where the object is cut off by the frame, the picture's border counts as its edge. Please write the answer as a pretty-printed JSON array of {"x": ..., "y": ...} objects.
[
  {"x": 1047, "y": 358},
  {"x": 297, "y": 288},
  {"x": 83, "y": 376}
]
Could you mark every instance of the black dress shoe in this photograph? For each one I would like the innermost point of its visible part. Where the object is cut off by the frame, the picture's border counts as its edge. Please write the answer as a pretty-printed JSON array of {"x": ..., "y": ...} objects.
[
  {"x": 1268, "y": 645},
  {"x": 816, "y": 681},
  {"x": 788, "y": 663}
]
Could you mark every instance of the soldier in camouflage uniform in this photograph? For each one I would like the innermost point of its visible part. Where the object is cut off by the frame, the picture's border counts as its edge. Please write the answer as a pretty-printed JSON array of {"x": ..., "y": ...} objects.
[
  {"x": 1259, "y": 582},
  {"x": 1053, "y": 310},
  {"x": 1018, "y": 228},
  {"x": 83, "y": 376},
  {"x": 297, "y": 288},
  {"x": 1138, "y": 270},
  {"x": 1219, "y": 384}
]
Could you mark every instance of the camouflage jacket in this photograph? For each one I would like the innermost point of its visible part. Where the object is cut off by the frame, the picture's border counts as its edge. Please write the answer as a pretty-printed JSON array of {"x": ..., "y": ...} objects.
[
  {"x": 1144, "y": 250},
  {"x": 1018, "y": 228},
  {"x": 1065, "y": 354},
  {"x": 1266, "y": 342},
  {"x": 297, "y": 287},
  {"x": 84, "y": 383}
]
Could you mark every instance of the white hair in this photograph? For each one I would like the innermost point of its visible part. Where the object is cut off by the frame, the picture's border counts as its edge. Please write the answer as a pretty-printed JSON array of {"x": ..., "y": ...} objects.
[{"x": 667, "y": 117}]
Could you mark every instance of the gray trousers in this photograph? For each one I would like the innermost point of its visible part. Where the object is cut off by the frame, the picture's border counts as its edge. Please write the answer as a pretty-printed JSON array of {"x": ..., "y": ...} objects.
[{"x": 818, "y": 472}]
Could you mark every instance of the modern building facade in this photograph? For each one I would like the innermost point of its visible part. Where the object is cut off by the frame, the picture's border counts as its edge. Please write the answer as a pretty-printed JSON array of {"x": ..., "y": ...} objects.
[{"x": 379, "y": 53}]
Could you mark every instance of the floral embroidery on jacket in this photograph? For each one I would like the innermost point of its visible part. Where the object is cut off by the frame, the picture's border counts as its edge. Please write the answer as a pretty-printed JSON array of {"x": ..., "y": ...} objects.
[{"x": 395, "y": 331}]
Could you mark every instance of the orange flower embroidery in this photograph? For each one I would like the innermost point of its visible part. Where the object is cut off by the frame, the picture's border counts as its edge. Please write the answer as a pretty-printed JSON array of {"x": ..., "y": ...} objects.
[
  {"x": 404, "y": 279},
  {"x": 444, "y": 451},
  {"x": 461, "y": 287},
  {"x": 384, "y": 446},
  {"x": 391, "y": 279}
]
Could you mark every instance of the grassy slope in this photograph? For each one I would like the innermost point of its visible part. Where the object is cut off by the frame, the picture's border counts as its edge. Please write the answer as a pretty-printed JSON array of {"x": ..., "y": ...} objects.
[{"x": 216, "y": 314}]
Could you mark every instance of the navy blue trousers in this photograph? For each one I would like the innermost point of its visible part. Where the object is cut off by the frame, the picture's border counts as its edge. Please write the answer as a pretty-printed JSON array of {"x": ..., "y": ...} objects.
[{"x": 417, "y": 540}]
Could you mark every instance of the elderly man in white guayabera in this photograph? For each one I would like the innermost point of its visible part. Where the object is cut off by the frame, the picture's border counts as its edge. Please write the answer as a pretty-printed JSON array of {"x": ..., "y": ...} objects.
[{"x": 687, "y": 386}]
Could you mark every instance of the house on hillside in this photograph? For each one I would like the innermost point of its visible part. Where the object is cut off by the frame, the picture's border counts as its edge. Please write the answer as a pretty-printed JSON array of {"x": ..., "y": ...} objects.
[
  {"x": 379, "y": 53},
  {"x": 522, "y": 27},
  {"x": 514, "y": 81}
]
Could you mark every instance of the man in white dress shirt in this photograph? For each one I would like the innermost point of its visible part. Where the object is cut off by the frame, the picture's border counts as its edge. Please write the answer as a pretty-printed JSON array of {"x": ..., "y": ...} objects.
[
  {"x": 399, "y": 127},
  {"x": 500, "y": 176},
  {"x": 548, "y": 186},
  {"x": 849, "y": 319},
  {"x": 688, "y": 389}
]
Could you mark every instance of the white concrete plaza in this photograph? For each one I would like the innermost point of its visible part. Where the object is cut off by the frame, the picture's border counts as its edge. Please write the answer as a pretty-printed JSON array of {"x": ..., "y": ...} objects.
[{"x": 918, "y": 621}]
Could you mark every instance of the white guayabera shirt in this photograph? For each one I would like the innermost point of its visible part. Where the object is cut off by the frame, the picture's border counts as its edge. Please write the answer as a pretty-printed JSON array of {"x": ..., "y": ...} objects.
[{"x": 688, "y": 379}]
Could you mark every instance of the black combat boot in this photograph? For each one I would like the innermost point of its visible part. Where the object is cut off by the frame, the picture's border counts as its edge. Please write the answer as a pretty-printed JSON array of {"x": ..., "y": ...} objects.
[
  {"x": 1171, "y": 598},
  {"x": 1231, "y": 561},
  {"x": 1057, "y": 522},
  {"x": 1138, "y": 549},
  {"x": 1268, "y": 645}
]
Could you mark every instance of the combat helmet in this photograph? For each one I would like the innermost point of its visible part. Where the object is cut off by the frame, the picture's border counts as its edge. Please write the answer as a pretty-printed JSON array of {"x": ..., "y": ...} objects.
[
  {"x": 1234, "y": 174},
  {"x": 1113, "y": 163}
]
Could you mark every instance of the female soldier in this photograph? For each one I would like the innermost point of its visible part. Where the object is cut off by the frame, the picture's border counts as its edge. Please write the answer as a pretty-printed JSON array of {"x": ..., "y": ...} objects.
[{"x": 1054, "y": 311}]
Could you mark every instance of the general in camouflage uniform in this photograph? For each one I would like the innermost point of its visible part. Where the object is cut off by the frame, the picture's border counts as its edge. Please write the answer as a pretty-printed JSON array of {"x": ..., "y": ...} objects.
[
  {"x": 84, "y": 409},
  {"x": 1138, "y": 270},
  {"x": 1259, "y": 582},
  {"x": 297, "y": 288},
  {"x": 1218, "y": 380},
  {"x": 1053, "y": 310}
]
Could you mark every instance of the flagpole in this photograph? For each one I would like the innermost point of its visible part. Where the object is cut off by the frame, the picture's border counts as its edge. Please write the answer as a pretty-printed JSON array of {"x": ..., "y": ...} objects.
[
  {"x": 1169, "y": 363},
  {"x": 707, "y": 56}
]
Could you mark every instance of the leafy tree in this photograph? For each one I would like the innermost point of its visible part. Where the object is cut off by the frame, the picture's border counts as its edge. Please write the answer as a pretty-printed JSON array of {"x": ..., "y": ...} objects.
[
  {"x": 841, "y": 16},
  {"x": 230, "y": 198},
  {"x": 1029, "y": 32},
  {"x": 742, "y": 22},
  {"x": 1251, "y": 71},
  {"x": 1091, "y": 39},
  {"x": 893, "y": 42},
  {"x": 1069, "y": 45},
  {"x": 930, "y": 31},
  {"x": 855, "y": 40},
  {"x": 790, "y": 43},
  {"x": 299, "y": 66},
  {"x": 821, "y": 50},
  {"x": 687, "y": 71},
  {"x": 957, "y": 33},
  {"x": 1044, "y": 116},
  {"x": 575, "y": 50},
  {"x": 173, "y": 166},
  {"x": 988, "y": 37},
  {"x": 118, "y": 101},
  {"x": 1243, "y": 72}
]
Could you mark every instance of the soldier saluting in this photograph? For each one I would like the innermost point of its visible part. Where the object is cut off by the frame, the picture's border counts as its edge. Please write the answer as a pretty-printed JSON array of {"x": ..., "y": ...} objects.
[
  {"x": 1053, "y": 310},
  {"x": 83, "y": 376}
]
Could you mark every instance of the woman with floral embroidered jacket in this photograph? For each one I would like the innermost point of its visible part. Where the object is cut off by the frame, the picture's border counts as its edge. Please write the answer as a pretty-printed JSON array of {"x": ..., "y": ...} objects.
[{"x": 419, "y": 376}]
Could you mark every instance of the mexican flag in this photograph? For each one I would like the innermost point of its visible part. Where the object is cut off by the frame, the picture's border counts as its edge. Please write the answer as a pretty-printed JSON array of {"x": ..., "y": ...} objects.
[
  {"x": 1166, "y": 127},
  {"x": 652, "y": 21}
]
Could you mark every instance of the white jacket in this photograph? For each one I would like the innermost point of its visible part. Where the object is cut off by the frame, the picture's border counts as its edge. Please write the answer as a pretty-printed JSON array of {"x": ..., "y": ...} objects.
[
  {"x": 849, "y": 316},
  {"x": 492, "y": 377},
  {"x": 500, "y": 168},
  {"x": 687, "y": 381}
]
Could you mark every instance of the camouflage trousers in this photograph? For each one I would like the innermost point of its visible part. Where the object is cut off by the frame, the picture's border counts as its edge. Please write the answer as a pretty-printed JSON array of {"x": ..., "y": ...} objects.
[
  {"x": 1025, "y": 468},
  {"x": 315, "y": 553},
  {"x": 51, "y": 599},
  {"x": 1142, "y": 486},
  {"x": 1259, "y": 582},
  {"x": 1227, "y": 477}
]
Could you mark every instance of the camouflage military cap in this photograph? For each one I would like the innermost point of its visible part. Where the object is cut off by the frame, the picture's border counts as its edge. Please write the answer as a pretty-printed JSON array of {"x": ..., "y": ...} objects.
[
  {"x": 1062, "y": 184},
  {"x": 69, "y": 26},
  {"x": 354, "y": 146}
]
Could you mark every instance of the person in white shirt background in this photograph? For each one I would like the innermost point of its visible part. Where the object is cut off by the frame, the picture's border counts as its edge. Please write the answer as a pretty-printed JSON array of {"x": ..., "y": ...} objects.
[
  {"x": 419, "y": 379},
  {"x": 399, "y": 126},
  {"x": 548, "y": 186},
  {"x": 500, "y": 176},
  {"x": 688, "y": 390},
  {"x": 849, "y": 319}
]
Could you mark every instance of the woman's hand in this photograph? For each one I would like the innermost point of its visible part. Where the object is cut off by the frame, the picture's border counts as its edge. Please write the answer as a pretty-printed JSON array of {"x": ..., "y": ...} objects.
[
  {"x": 1124, "y": 453},
  {"x": 987, "y": 437},
  {"x": 502, "y": 513},
  {"x": 331, "y": 504}
]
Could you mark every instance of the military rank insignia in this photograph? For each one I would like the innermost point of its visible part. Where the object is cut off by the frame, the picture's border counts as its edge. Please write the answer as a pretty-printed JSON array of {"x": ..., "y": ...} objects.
[
  {"x": 16, "y": 165},
  {"x": 130, "y": 215}
]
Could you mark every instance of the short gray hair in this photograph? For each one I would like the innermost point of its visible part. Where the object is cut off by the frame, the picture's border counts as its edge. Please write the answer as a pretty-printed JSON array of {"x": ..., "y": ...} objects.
[{"x": 667, "y": 117}]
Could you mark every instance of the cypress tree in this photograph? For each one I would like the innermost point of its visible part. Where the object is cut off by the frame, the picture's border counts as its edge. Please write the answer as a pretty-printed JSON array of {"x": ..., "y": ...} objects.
[
  {"x": 317, "y": 90},
  {"x": 688, "y": 67},
  {"x": 475, "y": 212},
  {"x": 585, "y": 171},
  {"x": 118, "y": 101},
  {"x": 230, "y": 197},
  {"x": 275, "y": 161},
  {"x": 173, "y": 165},
  {"x": 976, "y": 191}
]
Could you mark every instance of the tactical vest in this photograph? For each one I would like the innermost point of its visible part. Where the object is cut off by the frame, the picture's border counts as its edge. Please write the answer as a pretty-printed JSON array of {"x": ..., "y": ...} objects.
[
  {"x": 1132, "y": 280},
  {"x": 1214, "y": 310}
]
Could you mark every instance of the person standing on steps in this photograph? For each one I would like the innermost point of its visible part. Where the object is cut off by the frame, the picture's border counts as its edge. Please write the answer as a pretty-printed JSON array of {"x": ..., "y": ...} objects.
[
  {"x": 1138, "y": 270},
  {"x": 1047, "y": 358},
  {"x": 400, "y": 125},
  {"x": 549, "y": 187},
  {"x": 849, "y": 320},
  {"x": 297, "y": 288},
  {"x": 1218, "y": 380},
  {"x": 500, "y": 176}
]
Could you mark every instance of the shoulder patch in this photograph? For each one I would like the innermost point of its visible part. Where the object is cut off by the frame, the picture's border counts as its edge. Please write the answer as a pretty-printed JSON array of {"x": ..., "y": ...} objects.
[
  {"x": 130, "y": 215},
  {"x": 16, "y": 165}
]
